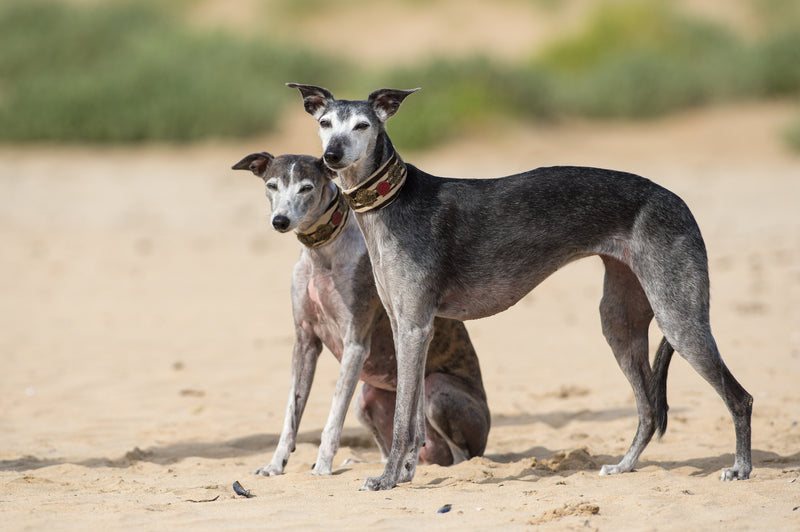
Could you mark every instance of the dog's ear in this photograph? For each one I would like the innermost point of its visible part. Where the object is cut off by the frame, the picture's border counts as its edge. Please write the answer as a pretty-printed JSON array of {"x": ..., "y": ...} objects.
[
  {"x": 386, "y": 102},
  {"x": 256, "y": 163},
  {"x": 315, "y": 99}
]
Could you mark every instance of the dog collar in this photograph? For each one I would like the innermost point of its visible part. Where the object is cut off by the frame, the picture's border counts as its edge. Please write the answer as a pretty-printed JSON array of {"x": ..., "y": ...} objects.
[
  {"x": 329, "y": 226},
  {"x": 380, "y": 189}
]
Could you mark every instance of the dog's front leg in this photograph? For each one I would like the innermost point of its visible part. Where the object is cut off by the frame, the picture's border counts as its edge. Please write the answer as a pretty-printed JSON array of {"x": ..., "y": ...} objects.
[
  {"x": 418, "y": 435},
  {"x": 355, "y": 353},
  {"x": 307, "y": 348},
  {"x": 411, "y": 345}
]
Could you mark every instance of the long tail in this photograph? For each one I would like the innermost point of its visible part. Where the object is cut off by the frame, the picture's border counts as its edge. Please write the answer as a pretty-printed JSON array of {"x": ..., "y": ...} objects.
[{"x": 658, "y": 384}]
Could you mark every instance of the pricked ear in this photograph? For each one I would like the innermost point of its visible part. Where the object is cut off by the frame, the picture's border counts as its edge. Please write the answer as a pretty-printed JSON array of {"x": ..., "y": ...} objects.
[
  {"x": 386, "y": 102},
  {"x": 315, "y": 99},
  {"x": 256, "y": 163}
]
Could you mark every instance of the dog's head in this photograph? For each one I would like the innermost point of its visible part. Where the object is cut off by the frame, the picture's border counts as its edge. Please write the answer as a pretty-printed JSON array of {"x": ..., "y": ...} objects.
[
  {"x": 299, "y": 187},
  {"x": 349, "y": 129}
]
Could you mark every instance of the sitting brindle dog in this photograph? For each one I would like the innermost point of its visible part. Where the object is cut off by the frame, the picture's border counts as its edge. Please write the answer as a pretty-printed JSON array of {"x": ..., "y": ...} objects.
[
  {"x": 470, "y": 248},
  {"x": 335, "y": 303}
]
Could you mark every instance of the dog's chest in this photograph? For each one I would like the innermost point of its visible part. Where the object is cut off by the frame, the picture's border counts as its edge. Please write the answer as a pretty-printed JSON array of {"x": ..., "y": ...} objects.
[
  {"x": 323, "y": 297},
  {"x": 325, "y": 310},
  {"x": 313, "y": 293}
]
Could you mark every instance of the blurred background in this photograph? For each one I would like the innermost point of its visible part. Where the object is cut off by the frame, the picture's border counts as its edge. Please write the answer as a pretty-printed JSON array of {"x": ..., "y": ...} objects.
[
  {"x": 100, "y": 71},
  {"x": 145, "y": 311},
  {"x": 129, "y": 246}
]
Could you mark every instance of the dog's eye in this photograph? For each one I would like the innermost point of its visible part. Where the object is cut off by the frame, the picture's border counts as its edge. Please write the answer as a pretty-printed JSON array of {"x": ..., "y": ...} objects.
[
  {"x": 324, "y": 123},
  {"x": 272, "y": 185},
  {"x": 361, "y": 126},
  {"x": 306, "y": 188}
]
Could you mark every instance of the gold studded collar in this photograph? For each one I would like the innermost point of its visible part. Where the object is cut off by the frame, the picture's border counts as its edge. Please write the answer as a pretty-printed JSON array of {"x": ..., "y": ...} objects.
[
  {"x": 381, "y": 188},
  {"x": 329, "y": 226}
]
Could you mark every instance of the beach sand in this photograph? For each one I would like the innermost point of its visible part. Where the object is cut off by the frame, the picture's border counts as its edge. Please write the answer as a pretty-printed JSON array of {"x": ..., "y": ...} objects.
[{"x": 147, "y": 335}]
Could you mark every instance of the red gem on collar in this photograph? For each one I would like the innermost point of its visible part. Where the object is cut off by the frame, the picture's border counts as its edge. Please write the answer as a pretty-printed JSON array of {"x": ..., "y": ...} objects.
[
  {"x": 336, "y": 219},
  {"x": 383, "y": 188}
]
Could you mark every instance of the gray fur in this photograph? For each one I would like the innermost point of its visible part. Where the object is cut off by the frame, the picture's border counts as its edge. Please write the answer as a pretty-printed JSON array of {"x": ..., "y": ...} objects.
[
  {"x": 469, "y": 248},
  {"x": 335, "y": 303}
]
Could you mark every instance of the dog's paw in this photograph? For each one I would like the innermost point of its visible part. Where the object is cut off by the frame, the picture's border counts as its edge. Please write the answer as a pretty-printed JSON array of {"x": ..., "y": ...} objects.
[
  {"x": 734, "y": 473},
  {"x": 407, "y": 474},
  {"x": 610, "y": 470},
  {"x": 321, "y": 469},
  {"x": 377, "y": 484},
  {"x": 269, "y": 471}
]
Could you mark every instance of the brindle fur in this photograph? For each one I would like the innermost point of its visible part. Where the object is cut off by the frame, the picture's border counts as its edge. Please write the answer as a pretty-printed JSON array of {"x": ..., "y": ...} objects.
[{"x": 335, "y": 303}]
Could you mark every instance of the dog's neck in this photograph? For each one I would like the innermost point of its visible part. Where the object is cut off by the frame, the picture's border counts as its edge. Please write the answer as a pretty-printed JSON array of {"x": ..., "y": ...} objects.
[
  {"x": 329, "y": 225},
  {"x": 360, "y": 171},
  {"x": 375, "y": 182}
]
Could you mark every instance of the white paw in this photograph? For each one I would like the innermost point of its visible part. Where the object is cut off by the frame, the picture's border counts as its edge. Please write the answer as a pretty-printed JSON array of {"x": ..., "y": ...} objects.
[
  {"x": 610, "y": 470},
  {"x": 269, "y": 471},
  {"x": 321, "y": 470},
  {"x": 733, "y": 473}
]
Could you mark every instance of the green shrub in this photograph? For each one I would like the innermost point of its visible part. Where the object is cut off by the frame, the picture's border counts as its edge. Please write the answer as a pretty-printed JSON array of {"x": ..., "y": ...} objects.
[
  {"x": 462, "y": 94},
  {"x": 643, "y": 59},
  {"x": 792, "y": 135},
  {"x": 779, "y": 60},
  {"x": 131, "y": 72}
]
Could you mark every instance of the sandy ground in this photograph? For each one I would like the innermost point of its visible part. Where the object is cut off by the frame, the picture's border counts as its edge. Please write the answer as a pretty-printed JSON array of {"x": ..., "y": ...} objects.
[{"x": 146, "y": 338}]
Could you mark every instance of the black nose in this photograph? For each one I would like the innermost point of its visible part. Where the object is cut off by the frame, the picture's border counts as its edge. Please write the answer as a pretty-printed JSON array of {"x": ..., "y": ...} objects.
[
  {"x": 333, "y": 156},
  {"x": 280, "y": 222}
]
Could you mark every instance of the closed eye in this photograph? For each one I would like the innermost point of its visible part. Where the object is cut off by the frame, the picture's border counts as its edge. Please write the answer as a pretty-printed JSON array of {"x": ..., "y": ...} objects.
[
  {"x": 272, "y": 185},
  {"x": 306, "y": 188},
  {"x": 361, "y": 126}
]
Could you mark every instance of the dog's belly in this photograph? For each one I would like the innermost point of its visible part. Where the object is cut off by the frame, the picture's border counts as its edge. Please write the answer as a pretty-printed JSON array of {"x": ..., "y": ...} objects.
[
  {"x": 480, "y": 300},
  {"x": 476, "y": 304},
  {"x": 492, "y": 289}
]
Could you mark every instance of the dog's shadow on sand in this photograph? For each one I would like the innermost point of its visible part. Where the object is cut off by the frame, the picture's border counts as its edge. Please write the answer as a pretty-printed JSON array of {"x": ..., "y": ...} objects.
[
  {"x": 564, "y": 464},
  {"x": 560, "y": 418},
  {"x": 538, "y": 463},
  {"x": 548, "y": 462},
  {"x": 175, "y": 452}
]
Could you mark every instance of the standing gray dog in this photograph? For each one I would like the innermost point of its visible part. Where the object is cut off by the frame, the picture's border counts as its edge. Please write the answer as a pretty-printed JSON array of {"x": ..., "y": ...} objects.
[
  {"x": 335, "y": 303},
  {"x": 469, "y": 248}
]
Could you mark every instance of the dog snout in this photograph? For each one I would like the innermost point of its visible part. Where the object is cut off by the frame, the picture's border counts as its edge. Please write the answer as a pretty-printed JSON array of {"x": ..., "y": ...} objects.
[
  {"x": 333, "y": 156},
  {"x": 281, "y": 222}
]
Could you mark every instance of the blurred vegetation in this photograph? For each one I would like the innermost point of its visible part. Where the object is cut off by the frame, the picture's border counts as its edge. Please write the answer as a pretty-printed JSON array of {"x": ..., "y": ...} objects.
[
  {"x": 792, "y": 135},
  {"x": 644, "y": 59},
  {"x": 129, "y": 71},
  {"x": 136, "y": 71}
]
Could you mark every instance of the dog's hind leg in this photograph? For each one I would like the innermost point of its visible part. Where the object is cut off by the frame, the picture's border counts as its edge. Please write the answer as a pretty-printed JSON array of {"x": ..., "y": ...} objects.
[
  {"x": 626, "y": 315},
  {"x": 678, "y": 289},
  {"x": 457, "y": 422},
  {"x": 374, "y": 408},
  {"x": 708, "y": 363},
  {"x": 459, "y": 418},
  {"x": 698, "y": 347}
]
